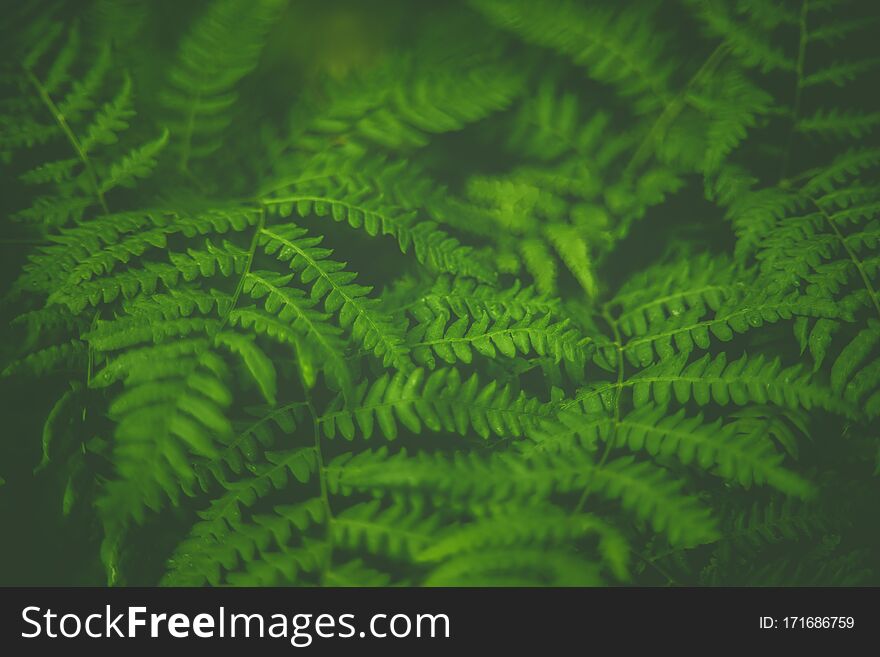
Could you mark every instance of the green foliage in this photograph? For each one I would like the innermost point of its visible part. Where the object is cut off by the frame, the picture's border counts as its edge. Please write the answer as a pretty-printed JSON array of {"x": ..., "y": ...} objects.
[
  {"x": 557, "y": 293},
  {"x": 222, "y": 46},
  {"x": 69, "y": 110},
  {"x": 622, "y": 49},
  {"x": 328, "y": 281},
  {"x": 442, "y": 403}
]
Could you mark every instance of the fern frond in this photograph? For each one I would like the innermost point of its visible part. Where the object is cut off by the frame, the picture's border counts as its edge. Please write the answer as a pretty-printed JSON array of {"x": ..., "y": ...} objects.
[
  {"x": 834, "y": 30},
  {"x": 698, "y": 286},
  {"x": 51, "y": 172},
  {"x": 528, "y": 526},
  {"x": 642, "y": 488},
  {"x": 774, "y": 522},
  {"x": 77, "y": 294},
  {"x": 396, "y": 531},
  {"x": 82, "y": 93},
  {"x": 860, "y": 387},
  {"x": 755, "y": 213},
  {"x": 682, "y": 333},
  {"x": 737, "y": 451},
  {"x": 356, "y": 311},
  {"x": 549, "y": 125},
  {"x": 406, "y": 99},
  {"x": 258, "y": 364},
  {"x": 349, "y": 200},
  {"x": 840, "y": 73},
  {"x": 59, "y": 72},
  {"x": 127, "y": 332},
  {"x": 837, "y": 124},
  {"x": 456, "y": 341},
  {"x": 540, "y": 263},
  {"x": 290, "y": 317},
  {"x": 736, "y": 109},
  {"x": 749, "y": 41},
  {"x": 222, "y": 47},
  {"x": 520, "y": 566},
  {"x": 69, "y": 355},
  {"x": 749, "y": 379},
  {"x": 95, "y": 247},
  {"x": 224, "y": 540},
  {"x": 574, "y": 251},
  {"x": 843, "y": 167},
  {"x": 173, "y": 405},
  {"x": 767, "y": 15},
  {"x": 110, "y": 120},
  {"x": 139, "y": 163},
  {"x": 441, "y": 402},
  {"x": 463, "y": 297},
  {"x": 182, "y": 301},
  {"x": 255, "y": 437},
  {"x": 619, "y": 49},
  {"x": 84, "y": 180}
]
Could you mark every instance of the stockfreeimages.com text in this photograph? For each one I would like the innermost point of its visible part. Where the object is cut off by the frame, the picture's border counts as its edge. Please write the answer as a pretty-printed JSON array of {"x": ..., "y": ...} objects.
[{"x": 300, "y": 629}]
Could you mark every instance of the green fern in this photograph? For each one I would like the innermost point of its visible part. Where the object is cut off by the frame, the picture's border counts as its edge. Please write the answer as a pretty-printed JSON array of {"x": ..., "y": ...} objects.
[
  {"x": 90, "y": 169},
  {"x": 222, "y": 47},
  {"x": 552, "y": 294}
]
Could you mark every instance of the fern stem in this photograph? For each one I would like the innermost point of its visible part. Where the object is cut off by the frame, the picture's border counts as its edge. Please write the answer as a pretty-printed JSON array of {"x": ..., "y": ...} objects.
[
  {"x": 183, "y": 165},
  {"x": 672, "y": 109},
  {"x": 798, "y": 89},
  {"x": 71, "y": 137},
  {"x": 852, "y": 256},
  {"x": 612, "y": 436},
  {"x": 247, "y": 267},
  {"x": 618, "y": 388},
  {"x": 91, "y": 352},
  {"x": 325, "y": 495}
]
